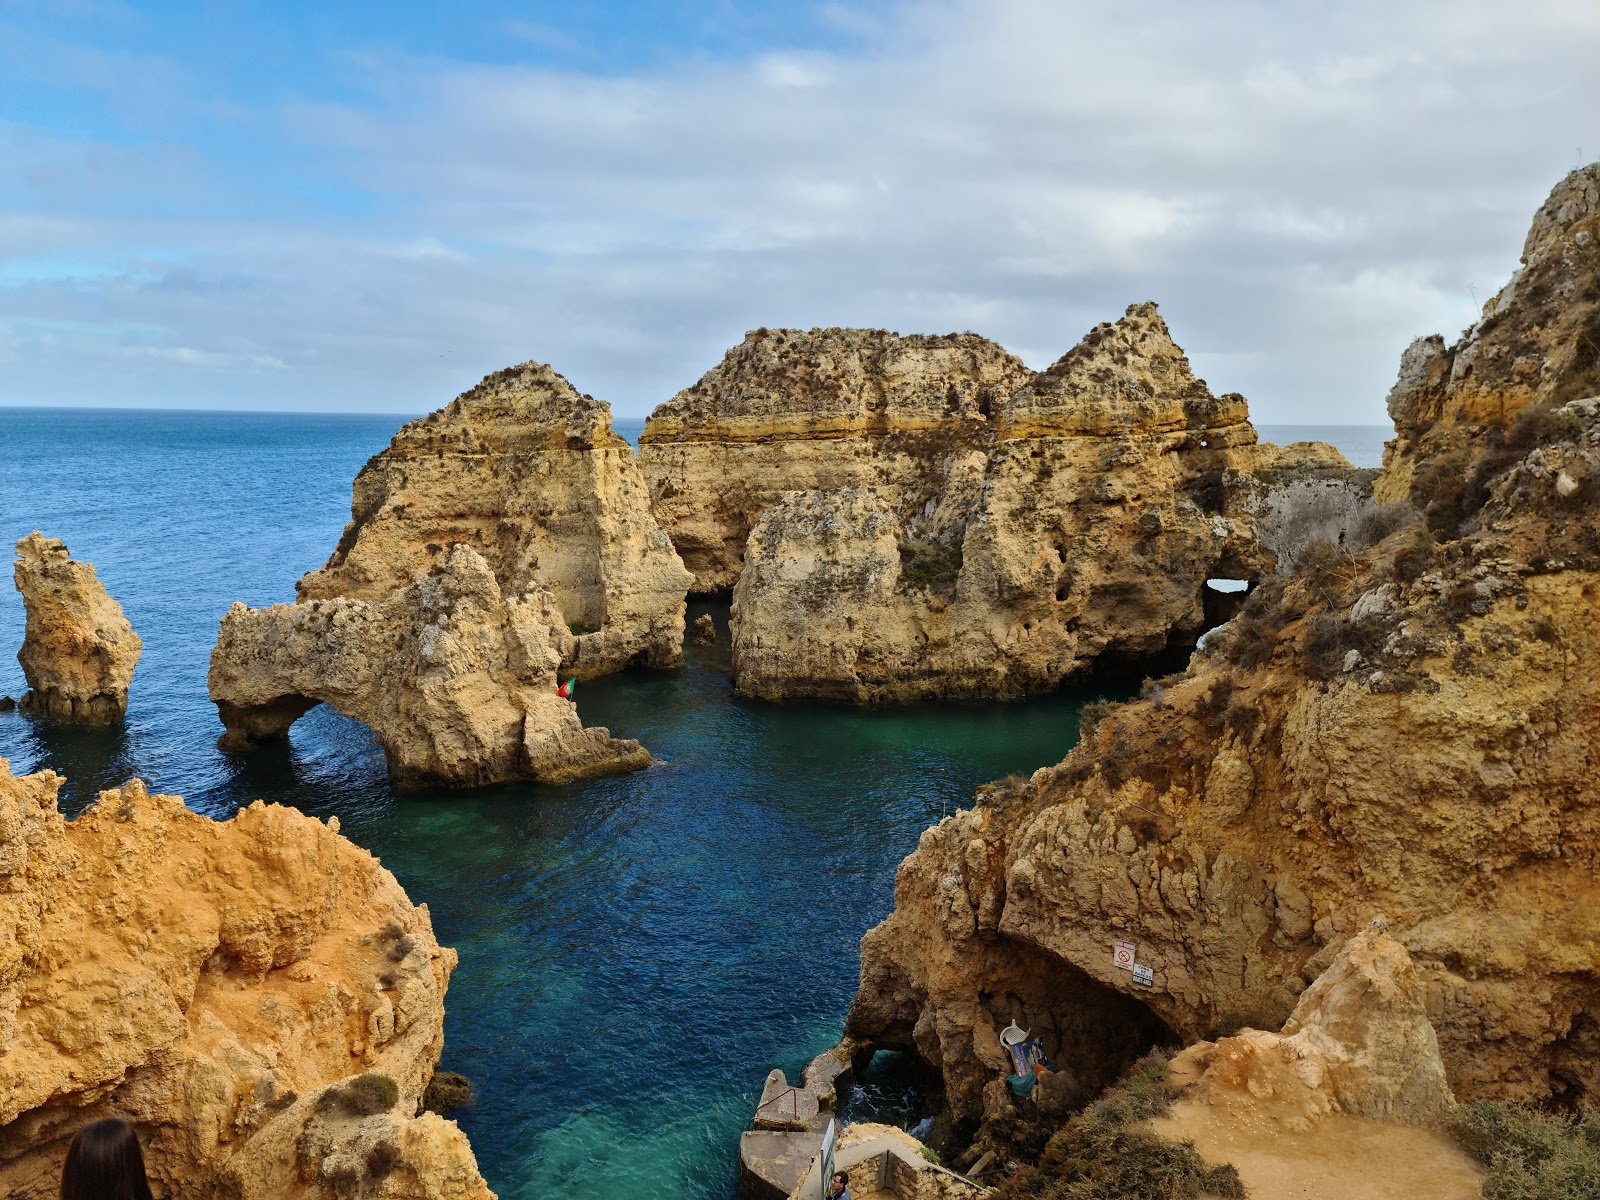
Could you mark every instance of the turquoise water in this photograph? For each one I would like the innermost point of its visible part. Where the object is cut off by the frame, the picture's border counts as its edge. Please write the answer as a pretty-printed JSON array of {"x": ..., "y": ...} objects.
[{"x": 636, "y": 952}]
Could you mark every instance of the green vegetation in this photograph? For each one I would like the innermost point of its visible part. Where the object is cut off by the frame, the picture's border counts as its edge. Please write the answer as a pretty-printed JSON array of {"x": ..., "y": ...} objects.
[
  {"x": 364, "y": 1096},
  {"x": 1092, "y": 713},
  {"x": 578, "y": 628},
  {"x": 925, "y": 563},
  {"x": 1102, "y": 1154},
  {"x": 1531, "y": 1155},
  {"x": 447, "y": 1091}
]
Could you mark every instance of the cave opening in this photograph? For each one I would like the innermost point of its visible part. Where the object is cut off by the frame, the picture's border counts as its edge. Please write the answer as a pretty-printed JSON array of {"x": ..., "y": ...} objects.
[{"x": 1091, "y": 1033}]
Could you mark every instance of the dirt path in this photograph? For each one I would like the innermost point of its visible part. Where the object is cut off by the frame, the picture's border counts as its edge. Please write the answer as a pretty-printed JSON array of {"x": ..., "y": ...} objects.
[{"x": 1342, "y": 1158}]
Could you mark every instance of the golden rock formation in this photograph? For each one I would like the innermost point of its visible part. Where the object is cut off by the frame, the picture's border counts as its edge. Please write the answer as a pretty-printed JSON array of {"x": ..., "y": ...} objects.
[
  {"x": 1002, "y": 548},
  {"x": 1537, "y": 344},
  {"x": 1404, "y": 729},
  {"x": 257, "y": 996},
  {"x": 821, "y": 410},
  {"x": 457, "y": 682},
  {"x": 78, "y": 650},
  {"x": 529, "y": 474}
]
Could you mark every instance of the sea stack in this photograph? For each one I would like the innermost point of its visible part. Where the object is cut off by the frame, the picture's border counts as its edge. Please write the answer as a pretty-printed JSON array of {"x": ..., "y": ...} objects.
[
  {"x": 257, "y": 996},
  {"x": 78, "y": 650},
  {"x": 531, "y": 476},
  {"x": 912, "y": 518},
  {"x": 1401, "y": 730}
]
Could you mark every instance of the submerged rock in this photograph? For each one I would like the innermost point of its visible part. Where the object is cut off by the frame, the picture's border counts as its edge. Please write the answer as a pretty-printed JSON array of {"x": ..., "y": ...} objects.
[
  {"x": 1403, "y": 730},
  {"x": 457, "y": 682},
  {"x": 78, "y": 650},
  {"x": 257, "y": 996},
  {"x": 995, "y": 543},
  {"x": 529, "y": 474}
]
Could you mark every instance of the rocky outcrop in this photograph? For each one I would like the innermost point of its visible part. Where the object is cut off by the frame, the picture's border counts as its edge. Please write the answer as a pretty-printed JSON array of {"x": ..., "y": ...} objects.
[
  {"x": 1003, "y": 548},
  {"x": 457, "y": 682},
  {"x": 1358, "y": 1042},
  {"x": 816, "y": 410},
  {"x": 78, "y": 650},
  {"x": 1536, "y": 346},
  {"x": 1402, "y": 729},
  {"x": 529, "y": 474},
  {"x": 257, "y": 996}
]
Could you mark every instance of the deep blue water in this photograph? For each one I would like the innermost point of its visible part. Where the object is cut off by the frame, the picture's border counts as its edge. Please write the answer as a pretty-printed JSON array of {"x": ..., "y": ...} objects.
[{"x": 636, "y": 952}]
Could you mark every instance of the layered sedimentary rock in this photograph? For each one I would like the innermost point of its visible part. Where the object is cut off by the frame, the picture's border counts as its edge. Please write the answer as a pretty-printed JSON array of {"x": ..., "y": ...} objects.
[
  {"x": 992, "y": 548},
  {"x": 817, "y": 410},
  {"x": 218, "y": 984},
  {"x": 529, "y": 474},
  {"x": 1404, "y": 729},
  {"x": 78, "y": 651},
  {"x": 457, "y": 681},
  {"x": 1537, "y": 344}
]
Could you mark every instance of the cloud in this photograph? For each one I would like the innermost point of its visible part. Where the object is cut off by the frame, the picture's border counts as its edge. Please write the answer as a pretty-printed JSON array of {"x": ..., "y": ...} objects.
[{"x": 1302, "y": 188}]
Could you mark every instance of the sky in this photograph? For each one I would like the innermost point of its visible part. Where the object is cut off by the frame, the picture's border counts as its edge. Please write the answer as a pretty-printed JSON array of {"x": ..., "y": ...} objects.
[{"x": 367, "y": 207}]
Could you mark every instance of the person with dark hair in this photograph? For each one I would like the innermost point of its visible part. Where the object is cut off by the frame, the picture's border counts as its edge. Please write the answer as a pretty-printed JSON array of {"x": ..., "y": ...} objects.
[
  {"x": 839, "y": 1186},
  {"x": 104, "y": 1162}
]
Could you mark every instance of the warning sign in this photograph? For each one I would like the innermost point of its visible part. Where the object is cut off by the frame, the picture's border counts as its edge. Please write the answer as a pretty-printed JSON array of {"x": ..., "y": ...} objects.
[
  {"x": 1144, "y": 976},
  {"x": 1122, "y": 955}
]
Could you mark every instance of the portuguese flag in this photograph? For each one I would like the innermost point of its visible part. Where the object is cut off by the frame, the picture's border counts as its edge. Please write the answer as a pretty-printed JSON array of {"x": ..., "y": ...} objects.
[{"x": 566, "y": 689}]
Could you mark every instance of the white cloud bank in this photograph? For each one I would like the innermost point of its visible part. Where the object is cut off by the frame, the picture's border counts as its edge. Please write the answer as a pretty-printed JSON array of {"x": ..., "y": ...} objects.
[{"x": 1303, "y": 188}]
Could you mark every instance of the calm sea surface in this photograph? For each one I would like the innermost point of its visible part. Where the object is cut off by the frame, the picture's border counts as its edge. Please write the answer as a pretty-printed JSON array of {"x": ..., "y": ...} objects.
[{"x": 637, "y": 952}]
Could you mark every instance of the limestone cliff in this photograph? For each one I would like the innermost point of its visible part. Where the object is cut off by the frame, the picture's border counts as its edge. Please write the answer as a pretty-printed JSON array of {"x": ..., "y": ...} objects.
[
  {"x": 1008, "y": 551},
  {"x": 217, "y": 984},
  {"x": 822, "y": 409},
  {"x": 529, "y": 474},
  {"x": 1404, "y": 728},
  {"x": 457, "y": 682},
  {"x": 78, "y": 650}
]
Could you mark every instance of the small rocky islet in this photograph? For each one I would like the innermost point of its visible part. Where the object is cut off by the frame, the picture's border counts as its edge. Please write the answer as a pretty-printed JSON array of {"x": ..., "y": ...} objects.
[{"x": 1350, "y": 847}]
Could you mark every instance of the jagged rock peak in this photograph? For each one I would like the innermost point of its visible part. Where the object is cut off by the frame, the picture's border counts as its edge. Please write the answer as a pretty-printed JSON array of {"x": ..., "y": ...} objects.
[
  {"x": 1126, "y": 376},
  {"x": 1537, "y": 342},
  {"x": 78, "y": 650},
  {"x": 824, "y": 383},
  {"x": 521, "y": 408},
  {"x": 213, "y": 982}
]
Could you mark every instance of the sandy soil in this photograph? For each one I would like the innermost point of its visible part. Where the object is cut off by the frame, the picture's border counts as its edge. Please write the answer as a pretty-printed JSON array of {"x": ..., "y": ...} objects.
[{"x": 1342, "y": 1158}]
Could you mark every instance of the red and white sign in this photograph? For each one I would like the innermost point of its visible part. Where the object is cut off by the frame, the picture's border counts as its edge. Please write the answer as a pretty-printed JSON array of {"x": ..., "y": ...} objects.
[{"x": 1122, "y": 954}]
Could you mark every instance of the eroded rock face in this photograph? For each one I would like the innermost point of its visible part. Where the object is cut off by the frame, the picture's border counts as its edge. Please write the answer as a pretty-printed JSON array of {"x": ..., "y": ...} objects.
[
  {"x": 78, "y": 651},
  {"x": 822, "y": 409},
  {"x": 457, "y": 682},
  {"x": 1537, "y": 344},
  {"x": 210, "y": 982},
  {"x": 529, "y": 474},
  {"x": 1076, "y": 518},
  {"x": 1402, "y": 731}
]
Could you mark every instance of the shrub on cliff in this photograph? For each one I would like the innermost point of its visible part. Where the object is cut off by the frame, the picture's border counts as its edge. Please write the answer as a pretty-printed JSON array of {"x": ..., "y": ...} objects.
[
  {"x": 364, "y": 1096},
  {"x": 1104, "y": 1154},
  {"x": 1531, "y": 1155}
]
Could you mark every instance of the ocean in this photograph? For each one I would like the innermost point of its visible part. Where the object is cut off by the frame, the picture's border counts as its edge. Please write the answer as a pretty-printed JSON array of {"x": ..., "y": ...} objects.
[{"x": 636, "y": 952}]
